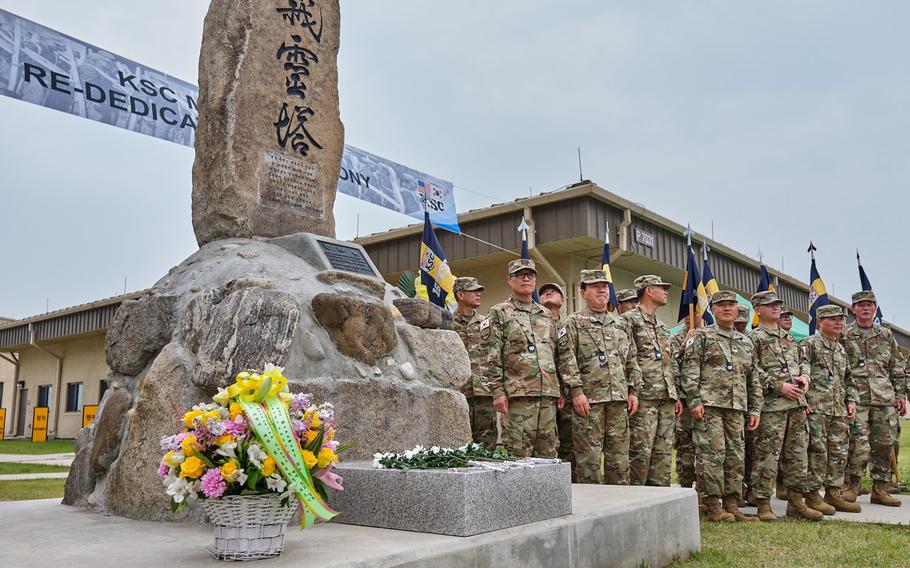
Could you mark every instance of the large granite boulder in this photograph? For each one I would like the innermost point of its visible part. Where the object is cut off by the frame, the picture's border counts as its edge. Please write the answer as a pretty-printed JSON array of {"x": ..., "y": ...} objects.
[{"x": 139, "y": 330}]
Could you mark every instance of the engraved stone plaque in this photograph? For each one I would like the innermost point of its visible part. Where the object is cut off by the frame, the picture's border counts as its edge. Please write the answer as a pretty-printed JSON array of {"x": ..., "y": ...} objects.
[
  {"x": 343, "y": 257},
  {"x": 286, "y": 182}
]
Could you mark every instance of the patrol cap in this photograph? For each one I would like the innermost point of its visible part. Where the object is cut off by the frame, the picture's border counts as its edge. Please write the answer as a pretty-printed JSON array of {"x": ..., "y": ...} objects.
[
  {"x": 829, "y": 311},
  {"x": 551, "y": 286},
  {"x": 786, "y": 312},
  {"x": 626, "y": 295},
  {"x": 593, "y": 277},
  {"x": 643, "y": 282},
  {"x": 723, "y": 296},
  {"x": 742, "y": 314},
  {"x": 466, "y": 284},
  {"x": 521, "y": 264},
  {"x": 865, "y": 295},
  {"x": 766, "y": 298}
]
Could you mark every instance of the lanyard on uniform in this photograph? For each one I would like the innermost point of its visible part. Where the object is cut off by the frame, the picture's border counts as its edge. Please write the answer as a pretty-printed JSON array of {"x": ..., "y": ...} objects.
[
  {"x": 828, "y": 366},
  {"x": 601, "y": 347},
  {"x": 781, "y": 357},
  {"x": 862, "y": 342},
  {"x": 654, "y": 342},
  {"x": 729, "y": 357},
  {"x": 532, "y": 339}
]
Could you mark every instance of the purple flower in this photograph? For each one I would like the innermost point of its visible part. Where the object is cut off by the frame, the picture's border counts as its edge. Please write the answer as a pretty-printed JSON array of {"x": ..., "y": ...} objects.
[
  {"x": 163, "y": 469},
  {"x": 300, "y": 402},
  {"x": 213, "y": 485},
  {"x": 236, "y": 427}
]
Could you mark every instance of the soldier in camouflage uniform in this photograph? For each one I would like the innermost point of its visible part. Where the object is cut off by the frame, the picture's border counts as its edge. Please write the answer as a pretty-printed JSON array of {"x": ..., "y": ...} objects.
[
  {"x": 598, "y": 367},
  {"x": 783, "y": 427},
  {"x": 628, "y": 300},
  {"x": 467, "y": 323},
  {"x": 741, "y": 324},
  {"x": 832, "y": 402},
  {"x": 685, "y": 445},
  {"x": 552, "y": 298},
  {"x": 742, "y": 318},
  {"x": 876, "y": 367},
  {"x": 519, "y": 339},
  {"x": 652, "y": 428},
  {"x": 785, "y": 321},
  {"x": 721, "y": 379}
]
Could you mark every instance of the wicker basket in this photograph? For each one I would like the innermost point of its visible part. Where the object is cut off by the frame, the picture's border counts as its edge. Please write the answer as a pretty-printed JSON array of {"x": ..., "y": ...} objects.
[{"x": 249, "y": 527}]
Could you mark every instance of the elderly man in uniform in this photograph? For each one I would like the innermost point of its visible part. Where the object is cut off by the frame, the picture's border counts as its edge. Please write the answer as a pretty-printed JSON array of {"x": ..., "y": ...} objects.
[
  {"x": 876, "y": 367},
  {"x": 467, "y": 323},
  {"x": 742, "y": 318},
  {"x": 597, "y": 364},
  {"x": 652, "y": 428},
  {"x": 722, "y": 384},
  {"x": 783, "y": 427},
  {"x": 628, "y": 300},
  {"x": 785, "y": 321},
  {"x": 832, "y": 402},
  {"x": 552, "y": 298},
  {"x": 519, "y": 338}
]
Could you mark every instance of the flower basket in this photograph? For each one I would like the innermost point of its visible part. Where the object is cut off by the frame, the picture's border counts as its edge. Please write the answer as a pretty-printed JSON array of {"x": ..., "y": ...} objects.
[{"x": 249, "y": 527}]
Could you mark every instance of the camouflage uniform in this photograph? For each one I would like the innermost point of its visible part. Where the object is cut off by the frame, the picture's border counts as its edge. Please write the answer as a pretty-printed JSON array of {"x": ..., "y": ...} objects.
[
  {"x": 830, "y": 391},
  {"x": 720, "y": 372},
  {"x": 878, "y": 375},
  {"x": 685, "y": 446},
  {"x": 480, "y": 401},
  {"x": 651, "y": 429},
  {"x": 782, "y": 438},
  {"x": 595, "y": 358},
  {"x": 519, "y": 341}
]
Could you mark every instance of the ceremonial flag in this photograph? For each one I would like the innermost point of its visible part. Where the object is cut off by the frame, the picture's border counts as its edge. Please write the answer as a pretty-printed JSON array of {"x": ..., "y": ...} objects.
[
  {"x": 865, "y": 285},
  {"x": 694, "y": 293},
  {"x": 764, "y": 285},
  {"x": 818, "y": 295},
  {"x": 709, "y": 284},
  {"x": 605, "y": 262},
  {"x": 523, "y": 229},
  {"x": 434, "y": 270}
]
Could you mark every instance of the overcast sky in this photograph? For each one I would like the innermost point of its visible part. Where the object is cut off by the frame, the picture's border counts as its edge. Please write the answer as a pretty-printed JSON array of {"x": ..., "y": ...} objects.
[{"x": 780, "y": 122}]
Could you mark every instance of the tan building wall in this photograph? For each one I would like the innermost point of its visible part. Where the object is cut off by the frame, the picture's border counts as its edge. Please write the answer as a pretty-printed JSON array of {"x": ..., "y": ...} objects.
[
  {"x": 83, "y": 362},
  {"x": 8, "y": 382}
]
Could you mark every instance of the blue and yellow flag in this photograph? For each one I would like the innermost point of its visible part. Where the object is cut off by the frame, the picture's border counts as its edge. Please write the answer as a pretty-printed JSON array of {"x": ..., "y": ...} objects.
[
  {"x": 818, "y": 295},
  {"x": 709, "y": 284},
  {"x": 605, "y": 263},
  {"x": 694, "y": 293},
  {"x": 764, "y": 285},
  {"x": 523, "y": 229},
  {"x": 865, "y": 285},
  {"x": 434, "y": 270}
]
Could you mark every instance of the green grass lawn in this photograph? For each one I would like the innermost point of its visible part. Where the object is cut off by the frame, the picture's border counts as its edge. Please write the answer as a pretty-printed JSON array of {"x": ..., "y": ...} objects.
[
  {"x": 28, "y": 447},
  {"x": 7, "y": 468},
  {"x": 31, "y": 489}
]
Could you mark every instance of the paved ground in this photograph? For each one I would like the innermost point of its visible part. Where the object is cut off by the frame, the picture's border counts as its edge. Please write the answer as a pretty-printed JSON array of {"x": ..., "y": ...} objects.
[
  {"x": 21, "y": 476},
  {"x": 44, "y": 459},
  {"x": 870, "y": 513}
]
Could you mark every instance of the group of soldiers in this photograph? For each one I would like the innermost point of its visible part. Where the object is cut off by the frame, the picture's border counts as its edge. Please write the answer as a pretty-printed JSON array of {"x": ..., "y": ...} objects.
[{"x": 613, "y": 393}]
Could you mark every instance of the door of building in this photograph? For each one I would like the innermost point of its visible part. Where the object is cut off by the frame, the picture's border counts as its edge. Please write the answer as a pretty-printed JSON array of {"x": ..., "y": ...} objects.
[{"x": 22, "y": 411}]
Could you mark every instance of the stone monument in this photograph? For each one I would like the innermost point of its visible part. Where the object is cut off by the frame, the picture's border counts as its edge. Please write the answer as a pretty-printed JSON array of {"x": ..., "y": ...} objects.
[{"x": 259, "y": 290}]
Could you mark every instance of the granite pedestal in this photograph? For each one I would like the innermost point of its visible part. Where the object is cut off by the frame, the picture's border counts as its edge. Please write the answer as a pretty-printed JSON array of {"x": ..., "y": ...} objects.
[{"x": 460, "y": 502}]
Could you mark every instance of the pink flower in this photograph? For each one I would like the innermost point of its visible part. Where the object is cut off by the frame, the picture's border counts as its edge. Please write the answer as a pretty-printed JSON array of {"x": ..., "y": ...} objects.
[
  {"x": 333, "y": 480},
  {"x": 163, "y": 469},
  {"x": 213, "y": 485}
]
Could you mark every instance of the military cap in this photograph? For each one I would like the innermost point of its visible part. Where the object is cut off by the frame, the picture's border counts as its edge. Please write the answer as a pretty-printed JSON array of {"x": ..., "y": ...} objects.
[
  {"x": 865, "y": 295},
  {"x": 626, "y": 295},
  {"x": 552, "y": 285},
  {"x": 786, "y": 312},
  {"x": 829, "y": 311},
  {"x": 466, "y": 284},
  {"x": 723, "y": 296},
  {"x": 742, "y": 314},
  {"x": 593, "y": 277},
  {"x": 766, "y": 298},
  {"x": 643, "y": 282},
  {"x": 521, "y": 264}
]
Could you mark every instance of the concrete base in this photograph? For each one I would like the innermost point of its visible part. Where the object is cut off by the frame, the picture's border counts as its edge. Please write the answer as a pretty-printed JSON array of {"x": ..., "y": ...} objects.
[
  {"x": 457, "y": 502},
  {"x": 610, "y": 526}
]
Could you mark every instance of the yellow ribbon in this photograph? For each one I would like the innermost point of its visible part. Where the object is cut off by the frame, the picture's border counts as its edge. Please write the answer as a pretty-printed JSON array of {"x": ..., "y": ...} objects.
[{"x": 256, "y": 388}]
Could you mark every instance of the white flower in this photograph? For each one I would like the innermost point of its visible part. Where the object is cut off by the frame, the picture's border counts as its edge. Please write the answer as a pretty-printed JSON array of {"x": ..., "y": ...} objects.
[
  {"x": 275, "y": 483},
  {"x": 435, "y": 449},
  {"x": 270, "y": 367},
  {"x": 216, "y": 429},
  {"x": 227, "y": 450},
  {"x": 256, "y": 455},
  {"x": 222, "y": 397},
  {"x": 179, "y": 489}
]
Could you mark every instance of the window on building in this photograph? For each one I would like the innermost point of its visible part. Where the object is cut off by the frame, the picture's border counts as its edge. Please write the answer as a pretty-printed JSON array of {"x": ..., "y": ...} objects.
[
  {"x": 73, "y": 397},
  {"x": 103, "y": 385},
  {"x": 44, "y": 396}
]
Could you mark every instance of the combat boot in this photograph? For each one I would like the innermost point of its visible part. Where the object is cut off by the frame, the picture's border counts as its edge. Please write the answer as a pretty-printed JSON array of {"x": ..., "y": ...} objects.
[
  {"x": 797, "y": 509},
  {"x": 814, "y": 501},
  {"x": 894, "y": 488},
  {"x": 715, "y": 513},
  {"x": 853, "y": 488},
  {"x": 764, "y": 511},
  {"x": 781, "y": 493},
  {"x": 833, "y": 497},
  {"x": 730, "y": 506},
  {"x": 880, "y": 495}
]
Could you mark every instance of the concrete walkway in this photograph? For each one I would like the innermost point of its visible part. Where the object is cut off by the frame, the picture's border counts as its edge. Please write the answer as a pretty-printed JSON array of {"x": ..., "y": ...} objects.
[
  {"x": 42, "y": 459},
  {"x": 23, "y": 476},
  {"x": 870, "y": 513}
]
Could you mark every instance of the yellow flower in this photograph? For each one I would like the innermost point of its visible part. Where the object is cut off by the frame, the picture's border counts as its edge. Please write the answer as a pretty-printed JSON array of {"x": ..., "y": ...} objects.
[
  {"x": 315, "y": 422},
  {"x": 211, "y": 415},
  {"x": 236, "y": 410},
  {"x": 229, "y": 471},
  {"x": 224, "y": 439},
  {"x": 330, "y": 435},
  {"x": 190, "y": 416},
  {"x": 268, "y": 466},
  {"x": 222, "y": 397},
  {"x": 188, "y": 445},
  {"x": 171, "y": 459},
  {"x": 326, "y": 456},
  {"x": 311, "y": 435},
  {"x": 192, "y": 467},
  {"x": 309, "y": 458}
]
